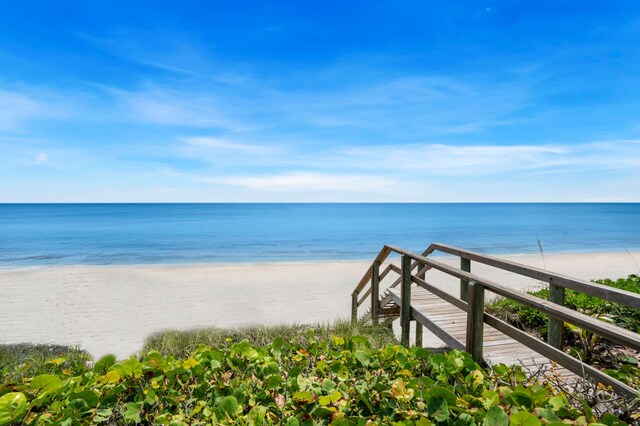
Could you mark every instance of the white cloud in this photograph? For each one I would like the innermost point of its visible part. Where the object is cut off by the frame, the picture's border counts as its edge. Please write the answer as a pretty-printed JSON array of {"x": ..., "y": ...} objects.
[
  {"x": 174, "y": 107},
  {"x": 307, "y": 181},
  {"x": 17, "y": 108},
  {"x": 41, "y": 158},
  {"x": 220, "y": 144}
]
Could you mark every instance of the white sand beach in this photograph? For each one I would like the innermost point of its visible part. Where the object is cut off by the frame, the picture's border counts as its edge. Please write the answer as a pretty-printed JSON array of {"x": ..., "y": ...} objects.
[{"x": 112, "y": 309}]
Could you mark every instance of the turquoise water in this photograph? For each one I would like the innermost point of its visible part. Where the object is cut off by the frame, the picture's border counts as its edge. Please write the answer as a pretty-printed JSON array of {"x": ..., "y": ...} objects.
[{"x": 52, "y": 234}]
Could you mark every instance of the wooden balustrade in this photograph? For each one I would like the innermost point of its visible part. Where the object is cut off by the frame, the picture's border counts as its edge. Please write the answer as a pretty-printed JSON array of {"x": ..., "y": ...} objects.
[{"x": 471, "y": 300}]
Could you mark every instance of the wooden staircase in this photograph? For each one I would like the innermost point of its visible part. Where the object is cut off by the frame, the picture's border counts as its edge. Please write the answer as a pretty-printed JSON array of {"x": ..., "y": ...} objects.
[{"x": 461, "y": 322}]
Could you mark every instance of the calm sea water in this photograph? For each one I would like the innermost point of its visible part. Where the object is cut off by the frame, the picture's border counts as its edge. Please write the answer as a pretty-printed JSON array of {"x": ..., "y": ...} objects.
[{"x": 50, "y": 234}]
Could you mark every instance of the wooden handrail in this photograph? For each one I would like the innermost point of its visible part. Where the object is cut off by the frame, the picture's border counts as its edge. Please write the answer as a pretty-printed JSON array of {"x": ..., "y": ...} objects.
[
  {"x": 555, "y": 311},
  {"x": 611, "y": 294},
  {"x": 609, "y": 331}
]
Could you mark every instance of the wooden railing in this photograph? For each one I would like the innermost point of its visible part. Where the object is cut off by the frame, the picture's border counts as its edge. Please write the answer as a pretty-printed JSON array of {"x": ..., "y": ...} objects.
[{"x": 471, "y": 300}]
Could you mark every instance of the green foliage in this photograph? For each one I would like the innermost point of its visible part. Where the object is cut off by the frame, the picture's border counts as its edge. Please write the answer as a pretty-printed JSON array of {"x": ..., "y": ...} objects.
[
  {"x": 340, "y": 380},
  {"x": 179, "y": 342},
  {"x": 622, "y": 316},
  {"x": 584, "y": 344},
  {"x": 26, "y": 360}
]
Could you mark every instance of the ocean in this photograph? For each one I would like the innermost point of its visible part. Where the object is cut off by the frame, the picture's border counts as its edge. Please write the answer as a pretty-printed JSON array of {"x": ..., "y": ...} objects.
[{"x": 101, "y": 234}]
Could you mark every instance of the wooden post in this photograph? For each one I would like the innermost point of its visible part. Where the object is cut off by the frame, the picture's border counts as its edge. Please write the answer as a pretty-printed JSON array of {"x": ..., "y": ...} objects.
[
  {"x": 555, "y": 327},
  {"x": 375, "y": 291},
  {"x": 418, "y": 342},
  {"x": 475, "y": 321},
  {"x": 465, "y": 265},
  {"x": 354, "y": 307},
  {"x": 405, "y": 300},
  {"x": 422, "y": 275}
]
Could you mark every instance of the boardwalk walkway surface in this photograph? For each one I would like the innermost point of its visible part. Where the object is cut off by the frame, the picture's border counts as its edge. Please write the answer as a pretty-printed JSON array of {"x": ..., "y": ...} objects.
[
  {"x": 461, "y": 322},
  {"x": 448, "y": 319}
]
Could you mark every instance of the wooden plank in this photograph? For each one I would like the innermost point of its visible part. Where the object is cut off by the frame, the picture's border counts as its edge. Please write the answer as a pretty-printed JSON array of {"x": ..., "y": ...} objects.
[
  {"x": 393, "y": 311},
  {"x": 570, "y": 363},
  {"x": 363, "y": 282},
  {"x": 475, "y": 321},
  {"x": 375, "y": 290},
  {"x": 395, "y": 269},
  {"x": 503, "y": 343},
  {"x": 465, "y": 265},
  {"x": 608, "y": 331},
  {"x": 611, "y": 294},
  {"x": 440, "y": 293},
  {"x": 386, "y": 271},
  {"x": 383, "y": 274},
  {"x": 448, "y": 339},
  {"x": 405, "y": 300},
  {"x": 365, "y": 296},
  {"x": 354, "y": 307},
  {"x": 555, "y": 327}
]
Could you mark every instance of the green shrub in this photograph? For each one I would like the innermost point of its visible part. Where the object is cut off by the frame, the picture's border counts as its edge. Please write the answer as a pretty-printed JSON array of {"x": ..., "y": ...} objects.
[
  {"x": 530, "y": 318},
  {"x": 342, "y": 381},
  {"x": 27, "y": 360},
  {"x": 180, "y": 342}
]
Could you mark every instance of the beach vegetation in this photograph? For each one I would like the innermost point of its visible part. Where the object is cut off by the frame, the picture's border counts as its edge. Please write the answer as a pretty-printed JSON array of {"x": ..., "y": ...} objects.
[
  {"x": 180, "y": 342},
  {"x": 21, "y": 361},
  {"x": 340, "y": 380},
  {"x": 619, "y": 362}
]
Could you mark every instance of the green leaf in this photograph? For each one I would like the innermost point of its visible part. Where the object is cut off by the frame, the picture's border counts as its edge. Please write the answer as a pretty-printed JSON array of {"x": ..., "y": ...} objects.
[
  {"x": 524, "y": 418},
  {"x": 228, "y": 404},
  {"x": 522, "y": 398},
  {"x": 13, "y": 406},
  {"x": 89, "y": 397},
  {"x": 324, "y": 400},
  {"x": 437, "y": 408},
  {"x": 129, "y": 368},
  {"x": 556, "y": 403},
  {"x": 496, "y": 417},
  {"x": 292, "y": 421},
  {"x": 249, "y": 352},
  {"x": 103, "y": 364},
  {"x": 303, "y": 397},
  {"x": 45, "y": 383},
  {"x": 102, "y": 415},
  {"x": 548, "y": 415},
  {"x": 132, "y": 413},
  {"x": 449, "y": 396},
  {"x": 363, "y": 357},
  {"x": 272, "y": 382},
  {"x": 328, "y": 385}
]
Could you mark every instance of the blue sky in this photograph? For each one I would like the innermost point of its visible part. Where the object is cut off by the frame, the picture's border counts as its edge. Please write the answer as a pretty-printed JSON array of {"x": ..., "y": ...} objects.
[{"x": 157, "y": 101}]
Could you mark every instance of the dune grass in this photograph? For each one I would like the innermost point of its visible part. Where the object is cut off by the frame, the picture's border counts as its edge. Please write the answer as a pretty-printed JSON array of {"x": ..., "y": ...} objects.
[
  {"x": 180, "y": 342},
  {"x": 28, "y": 360}
]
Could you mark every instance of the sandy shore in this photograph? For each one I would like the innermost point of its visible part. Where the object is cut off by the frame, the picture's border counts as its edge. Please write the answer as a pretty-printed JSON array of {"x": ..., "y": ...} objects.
[{"x": 112, "y": 309}]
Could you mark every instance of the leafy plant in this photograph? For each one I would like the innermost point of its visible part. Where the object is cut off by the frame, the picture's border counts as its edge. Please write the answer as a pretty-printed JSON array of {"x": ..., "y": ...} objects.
[
  {"x": 341, "y": 380},
  {"x": 587, "y": 346}
]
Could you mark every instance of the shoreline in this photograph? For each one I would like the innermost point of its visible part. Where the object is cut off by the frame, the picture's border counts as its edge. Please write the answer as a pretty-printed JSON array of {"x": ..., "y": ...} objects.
[
  {"x": 633, "y": 254},
  {"x": 114, "y": 308}
]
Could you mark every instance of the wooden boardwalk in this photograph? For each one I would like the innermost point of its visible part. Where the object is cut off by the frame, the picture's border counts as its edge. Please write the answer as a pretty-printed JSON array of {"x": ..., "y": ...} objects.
[
  {"x": 461, "y": 322},
  {"x": 449, "y": 323}
]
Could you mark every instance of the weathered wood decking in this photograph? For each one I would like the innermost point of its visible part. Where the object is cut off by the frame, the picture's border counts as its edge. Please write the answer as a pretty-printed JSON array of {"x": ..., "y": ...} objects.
[
  {"x": 449, "y": 323},
  {"x": 462, "y": 323}
]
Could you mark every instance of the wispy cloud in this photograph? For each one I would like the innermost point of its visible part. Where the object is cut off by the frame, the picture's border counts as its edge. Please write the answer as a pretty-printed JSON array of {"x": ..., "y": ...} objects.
[
  {"x": 308, "y": 181},
  {"x": 170, "y": 107},
  {"x": 219, "y": 145},
  {"x": 454, "y": 159},
  {"x": 41, "y": 158},
  {"x": 18, "y": 108}
]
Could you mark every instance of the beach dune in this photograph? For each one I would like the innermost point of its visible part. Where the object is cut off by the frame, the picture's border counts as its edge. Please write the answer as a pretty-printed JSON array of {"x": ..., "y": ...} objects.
[{"x": 113, "y": 309}]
